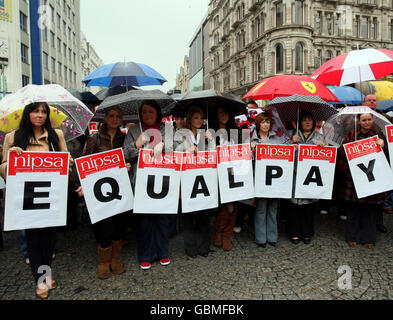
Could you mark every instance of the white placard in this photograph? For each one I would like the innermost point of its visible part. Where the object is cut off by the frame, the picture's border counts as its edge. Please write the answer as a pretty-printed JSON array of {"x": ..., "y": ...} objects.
[
  {"x": 315, "y": 172},
  {"x": 235, "y": 173},
  {"x": 105, "y": 183},
  {"x": 274, "y": 166},
  {"x": 37, "y": 189},
  {"x": 199, "y": 182},
  {"x": 157, "y": 185},
  {"x": 370, "y": 170}
]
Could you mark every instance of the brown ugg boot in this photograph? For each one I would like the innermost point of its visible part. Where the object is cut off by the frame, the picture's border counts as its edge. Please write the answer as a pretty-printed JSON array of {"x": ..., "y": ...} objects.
[
  {"x": 104, "y": 262},
  {"x": 228, "y": 230},
  {"x": 116, "y": 266},
  {"x": 219, "y": 226}
]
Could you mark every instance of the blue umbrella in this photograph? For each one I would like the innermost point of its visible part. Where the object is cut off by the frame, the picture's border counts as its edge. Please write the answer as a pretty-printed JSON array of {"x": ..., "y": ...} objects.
[
  {"x": 347, "y": 95},
  {"x": 385, "y": 105},
  {"x": 124, "y": 73}
]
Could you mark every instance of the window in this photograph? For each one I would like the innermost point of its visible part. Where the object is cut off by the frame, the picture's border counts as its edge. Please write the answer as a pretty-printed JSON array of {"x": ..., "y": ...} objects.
[
  {"x": 279, "y": 14},
  {"x": 328, "y": 55},
  {"x": 65, "y": 73},
  {"x": 65, "y": 50},
  {"x": 329, "y": 23},
  {"x": 364, "y": 25},
  {"x": 58, "y": 21},
  {"x": 52, "y": 39},
  {"x": 257, "y": 67},
  {"x": 299, "y": 57},
  {"x": 45, "y": 34},
  {"x": 59, "y": 70},
  {"x": 45, "y": 61},
  {"x": 374, "y": 28},
  {"x": 279, "y": 58},
  {"x": 298, "y": 12},
  {"x": 23, "y": 21},
  {"x": 24, "y": 53},
  {"x": 356, "y": 27},
  {"x": 53, "y": 65},
  {"x": 25, "y": 80},
  {"x": 58, "y": 45},
  {"x": 318, "y": 22}
]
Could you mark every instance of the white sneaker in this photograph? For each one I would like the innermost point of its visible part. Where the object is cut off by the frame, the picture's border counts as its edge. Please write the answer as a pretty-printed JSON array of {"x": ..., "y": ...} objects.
[
  {"x": 343, "y": 218},
  {"x": 237, "y": 229},
  {"x": 324, "y": 212}
]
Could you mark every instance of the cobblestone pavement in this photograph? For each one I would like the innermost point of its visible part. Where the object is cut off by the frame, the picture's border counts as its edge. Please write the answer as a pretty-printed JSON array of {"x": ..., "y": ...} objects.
[{"x": 248, "y": 272}]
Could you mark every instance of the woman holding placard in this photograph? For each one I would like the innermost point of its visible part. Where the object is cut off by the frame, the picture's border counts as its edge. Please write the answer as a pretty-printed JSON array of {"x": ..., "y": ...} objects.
[
  {"x": 108, "y": 232},
  {"x": 300, "y": 218},
  {"x": 35, "y": 133},
  {"x": 196, "y": 224},
  {"x": 227, "y": 133},
  {"x": 152, "y": 229},
  {"x": 266, "y": 209},
  {"x": 361, "y": 213}
]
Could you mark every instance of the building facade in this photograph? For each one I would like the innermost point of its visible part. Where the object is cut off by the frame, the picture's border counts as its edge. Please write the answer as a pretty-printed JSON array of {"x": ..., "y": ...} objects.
[
  {"x": 183, "y": 77},
  {"x": 250, "y": 40},
  {"x": 90, "y": 60},
  {"x": 43, "y": 37}
]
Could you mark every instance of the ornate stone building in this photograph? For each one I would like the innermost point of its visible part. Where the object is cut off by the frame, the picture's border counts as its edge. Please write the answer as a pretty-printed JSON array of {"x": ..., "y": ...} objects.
[{"x": 254, "y": 39}]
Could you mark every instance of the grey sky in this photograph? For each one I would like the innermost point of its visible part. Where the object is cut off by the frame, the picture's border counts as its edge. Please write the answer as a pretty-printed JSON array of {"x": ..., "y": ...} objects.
[{"x": 154, "y": 32}]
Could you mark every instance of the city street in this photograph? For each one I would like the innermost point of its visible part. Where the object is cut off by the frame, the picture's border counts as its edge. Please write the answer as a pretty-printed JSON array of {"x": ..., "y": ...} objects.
[{"x": 248, "y": 272}]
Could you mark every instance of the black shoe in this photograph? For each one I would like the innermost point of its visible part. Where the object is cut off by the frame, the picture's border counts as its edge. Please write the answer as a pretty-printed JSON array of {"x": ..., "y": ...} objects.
[
  {"x": 307, "y": 241},
  {"x": 204, "y": 254},
  {"x": 192, "y": 255},
  {"x": 273, "y": 244},
  {"x": 381, "y": 228},
  {"x": 263, "y": 245},
  {"x": 295, "y": 241}
]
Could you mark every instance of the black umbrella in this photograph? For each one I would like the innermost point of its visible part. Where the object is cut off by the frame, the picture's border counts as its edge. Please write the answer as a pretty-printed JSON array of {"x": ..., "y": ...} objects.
[
  {"x": 108, "y": 92},
  {"x": 289, "y": 108},
  {"x": 84, "y": 96},
  {"x": 129, "y": 103},
  {"x": 211, "y": 99}
]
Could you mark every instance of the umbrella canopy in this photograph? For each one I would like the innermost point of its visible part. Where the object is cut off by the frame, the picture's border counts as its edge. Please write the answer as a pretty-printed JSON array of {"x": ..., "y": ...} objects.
[
  {"x": 211, "y": 99},
  {"x": 287, "y": 85},
  {"x": 129, "y": 103},
  {"x": 69, "y": 114},
  {"x": 289, "y": 108},
  {"x": 108, "y": 92},
  {"x": 346, "y": 95},
  {"x": 356, "y": 66},
  {"x": 385, "y": 105},
  {"x": 125, "y": 74},
  {"x": 339, "y": 125},
  {"x": 84, "y": 96}
]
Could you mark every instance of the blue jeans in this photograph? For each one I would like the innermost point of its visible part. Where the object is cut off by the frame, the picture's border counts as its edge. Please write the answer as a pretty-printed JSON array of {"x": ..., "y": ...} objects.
[
  {"x": 23, "y": 244},
  {"x": 152, "y": 237},
  {"x": 266, "y": 220},
  {"x": 389, "y": 200}
]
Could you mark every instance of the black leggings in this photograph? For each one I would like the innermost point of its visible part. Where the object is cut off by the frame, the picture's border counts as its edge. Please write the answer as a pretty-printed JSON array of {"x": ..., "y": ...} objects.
[
  {"x": 40, "y": 247},
  {"x": 108, "y": 230},
  {"x": 300, "y": 220}
]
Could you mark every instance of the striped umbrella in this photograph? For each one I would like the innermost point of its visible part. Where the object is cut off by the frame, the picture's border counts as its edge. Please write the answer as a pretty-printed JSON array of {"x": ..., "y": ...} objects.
[
  {"x": 289, "y": 108},
  {"x": 355, "y": 66}
]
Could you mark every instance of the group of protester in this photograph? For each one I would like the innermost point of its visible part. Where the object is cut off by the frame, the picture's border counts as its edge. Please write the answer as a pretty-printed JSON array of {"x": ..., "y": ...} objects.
[{"x": 153, "y": 230}]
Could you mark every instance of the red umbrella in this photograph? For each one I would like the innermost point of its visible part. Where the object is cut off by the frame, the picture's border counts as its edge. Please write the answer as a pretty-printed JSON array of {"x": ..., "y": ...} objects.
[
  {"x": 356, "y": 66},
  {"x": 287, "y": 85}
]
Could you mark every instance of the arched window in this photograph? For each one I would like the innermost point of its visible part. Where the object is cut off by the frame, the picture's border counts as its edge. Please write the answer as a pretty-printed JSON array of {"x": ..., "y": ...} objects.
[
  {"x": 279, "y": 58},
  {"x": 299, "y": 57},
  {"x": 328, "y": 55}
]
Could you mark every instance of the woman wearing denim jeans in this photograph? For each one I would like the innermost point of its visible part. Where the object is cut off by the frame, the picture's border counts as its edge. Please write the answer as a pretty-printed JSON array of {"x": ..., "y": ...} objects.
[{"x": 266, "y": 209}]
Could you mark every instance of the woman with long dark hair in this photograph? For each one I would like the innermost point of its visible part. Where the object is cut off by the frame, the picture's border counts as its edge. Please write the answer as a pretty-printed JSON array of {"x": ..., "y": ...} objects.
[
  {"x": 227, "y": 133},
  {"x": 35, "y": 133}
]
